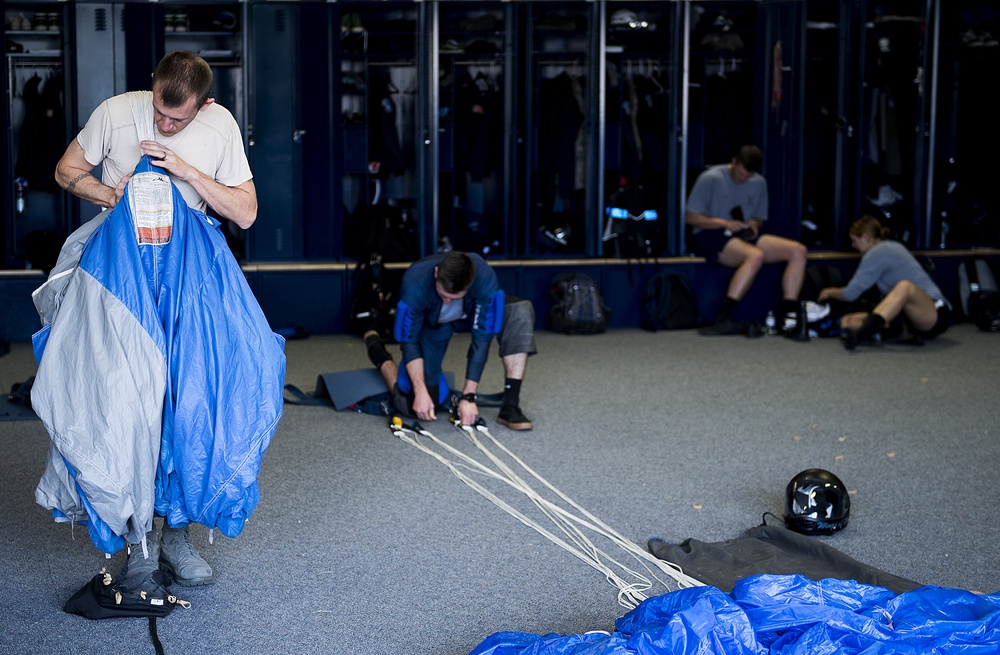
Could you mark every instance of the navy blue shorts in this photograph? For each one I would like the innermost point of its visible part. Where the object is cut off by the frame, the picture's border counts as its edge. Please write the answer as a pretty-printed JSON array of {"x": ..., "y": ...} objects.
[{"x": 709, "y": 244}]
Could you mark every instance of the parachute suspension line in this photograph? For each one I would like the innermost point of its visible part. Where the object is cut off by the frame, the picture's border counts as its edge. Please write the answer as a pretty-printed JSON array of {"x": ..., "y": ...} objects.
[
  {"x": 669, "y": 568},
  {"x": 410, "y": 437},
  {"x": 630, "y": 583},
  {"x": 630, "y": 594}
]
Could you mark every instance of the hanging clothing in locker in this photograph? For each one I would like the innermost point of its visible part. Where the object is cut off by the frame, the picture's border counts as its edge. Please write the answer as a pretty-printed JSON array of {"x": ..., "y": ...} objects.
[
  {"x": 478, "y": 125},
  {"x": 729, "y": 110},
  {"x": 652, "y": 121},
  {"x": 42, "y": 137},
  {"x": 560, "y": 123},
  {"x": 383, "y": 136}
]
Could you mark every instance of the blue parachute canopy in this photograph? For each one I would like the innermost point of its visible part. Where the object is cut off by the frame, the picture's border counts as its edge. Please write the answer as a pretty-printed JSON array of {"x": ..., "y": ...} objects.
[{"x": 785, "y": 615}]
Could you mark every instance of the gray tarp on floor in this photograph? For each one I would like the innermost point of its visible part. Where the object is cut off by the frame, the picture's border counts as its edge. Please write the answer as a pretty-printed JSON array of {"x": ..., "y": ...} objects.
[{"x": 771, "y": 549}]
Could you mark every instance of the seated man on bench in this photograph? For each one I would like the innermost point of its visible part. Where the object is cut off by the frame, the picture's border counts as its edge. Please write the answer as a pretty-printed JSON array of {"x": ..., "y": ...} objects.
[{"x": 726, "y": 208}]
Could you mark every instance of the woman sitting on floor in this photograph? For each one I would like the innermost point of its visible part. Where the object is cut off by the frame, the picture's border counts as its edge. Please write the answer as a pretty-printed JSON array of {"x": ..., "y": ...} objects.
[{"x": 906, "y": 287}]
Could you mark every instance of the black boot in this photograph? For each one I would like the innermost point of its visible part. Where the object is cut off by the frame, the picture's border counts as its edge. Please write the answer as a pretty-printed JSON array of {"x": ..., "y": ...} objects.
[
  {"x": 724, "y": 325},
  {"x": 800, "y": 330},
  {"x": 871, "y": 330}
]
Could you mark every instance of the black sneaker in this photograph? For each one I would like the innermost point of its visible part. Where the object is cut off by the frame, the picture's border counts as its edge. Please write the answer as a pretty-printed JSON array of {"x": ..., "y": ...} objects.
[
  {"x": 512, "y": 418},
  {"x": 722, "y": 327}
]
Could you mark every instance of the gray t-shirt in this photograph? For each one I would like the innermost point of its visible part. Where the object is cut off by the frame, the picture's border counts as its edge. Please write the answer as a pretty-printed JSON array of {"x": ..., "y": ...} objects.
[
  {"x": 451, "y": 311},
  {"x": 715, "y": 193},
  {"x": 885, "y": 265},
  {"x": 212, "y": 142}
]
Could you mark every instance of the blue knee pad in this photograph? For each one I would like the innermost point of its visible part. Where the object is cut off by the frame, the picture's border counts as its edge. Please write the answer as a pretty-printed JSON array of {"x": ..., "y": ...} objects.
[{"x": 406, "y": 386}]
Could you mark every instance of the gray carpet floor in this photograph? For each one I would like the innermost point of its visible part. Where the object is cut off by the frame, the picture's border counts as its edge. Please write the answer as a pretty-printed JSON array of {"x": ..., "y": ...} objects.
[{"x": 363, "y": 544}]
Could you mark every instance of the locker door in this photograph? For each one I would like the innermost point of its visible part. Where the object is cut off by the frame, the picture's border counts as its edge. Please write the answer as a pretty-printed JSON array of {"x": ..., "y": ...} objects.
[
  {"x": 642, "y": 112},
  {"x": 378, "y": 105},
  {"x": 966, "y": 207},
  {"x": 471, "y": 119},
  {"x": 563, "y": 87},
  {"x": 275, "y": 133},
  {"x": 100, "y": 75},
  {"x": 37, "y": 108}
]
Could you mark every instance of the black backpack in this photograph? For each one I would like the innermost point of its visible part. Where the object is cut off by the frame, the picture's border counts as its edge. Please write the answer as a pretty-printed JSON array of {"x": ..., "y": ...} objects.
[
  {"x": 631, "y": 230},
  {"x": 387, "y": 229},
  {"x": 668, "y": 303},
  {"x": 978, "y": 294},
  {"x": 819, "y": 277},
  {"x": 577, "y": 305}
]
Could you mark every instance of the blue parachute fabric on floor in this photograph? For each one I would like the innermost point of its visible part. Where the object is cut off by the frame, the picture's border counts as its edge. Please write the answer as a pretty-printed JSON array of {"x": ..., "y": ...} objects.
[{"x": 784, "y": 615}]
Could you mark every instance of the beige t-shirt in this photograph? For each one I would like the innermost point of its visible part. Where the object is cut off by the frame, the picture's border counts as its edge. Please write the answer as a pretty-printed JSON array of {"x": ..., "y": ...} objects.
[{"x": 212, "y": 142}]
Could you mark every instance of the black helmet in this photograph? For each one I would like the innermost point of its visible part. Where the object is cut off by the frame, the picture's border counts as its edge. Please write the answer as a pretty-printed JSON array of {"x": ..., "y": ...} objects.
[{"x": 816, "y": 502}]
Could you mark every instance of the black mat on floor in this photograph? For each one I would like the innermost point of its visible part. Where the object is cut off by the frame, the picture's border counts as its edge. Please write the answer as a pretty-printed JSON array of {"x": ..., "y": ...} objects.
[
  {"x": 17, "y": 404},
  {"x": 13, "y": 412},
  {"x": 771, "y": 549}
]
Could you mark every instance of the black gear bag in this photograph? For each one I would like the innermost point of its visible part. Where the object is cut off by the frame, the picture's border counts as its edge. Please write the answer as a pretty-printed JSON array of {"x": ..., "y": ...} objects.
[
  {"x": 102, "y": 598},
  {"x": 668, "y": 303},
  {"x": 577, "y": 305},
  {"x": 978, "y": 294}
]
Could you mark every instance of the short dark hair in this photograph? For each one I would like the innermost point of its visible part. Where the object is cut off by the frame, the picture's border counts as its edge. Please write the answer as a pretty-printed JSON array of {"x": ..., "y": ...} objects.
[
  {"x": 181, "y": 75},
  {"x": 750, "y": 157},
  {"x": 456, "y": 272},
  {"x": 869, "y": 225}
]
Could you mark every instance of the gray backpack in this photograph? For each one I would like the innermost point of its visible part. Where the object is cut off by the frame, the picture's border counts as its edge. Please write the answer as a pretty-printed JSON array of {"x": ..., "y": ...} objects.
[{"x": 577, "y": 305}]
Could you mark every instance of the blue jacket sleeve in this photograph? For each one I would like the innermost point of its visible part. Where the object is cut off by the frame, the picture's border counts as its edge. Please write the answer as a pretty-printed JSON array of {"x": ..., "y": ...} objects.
[
  {"x": 409, "y": 321},
  {"x": 487, "y": 318},
  {"x": 417, "y": 299}
]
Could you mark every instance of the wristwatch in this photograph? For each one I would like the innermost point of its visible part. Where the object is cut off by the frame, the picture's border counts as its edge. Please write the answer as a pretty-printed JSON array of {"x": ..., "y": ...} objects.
[{"x": 469, "y": 397}]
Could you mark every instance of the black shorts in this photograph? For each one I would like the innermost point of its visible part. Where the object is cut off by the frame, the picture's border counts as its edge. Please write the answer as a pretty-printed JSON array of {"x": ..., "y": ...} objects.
[
  {"x": 709, "y": 244},
  {"x": 944, "y": 320}
]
